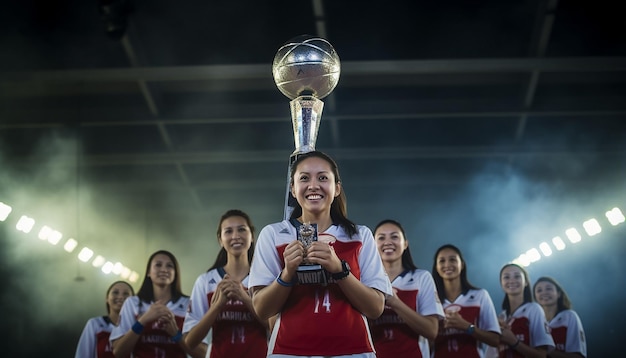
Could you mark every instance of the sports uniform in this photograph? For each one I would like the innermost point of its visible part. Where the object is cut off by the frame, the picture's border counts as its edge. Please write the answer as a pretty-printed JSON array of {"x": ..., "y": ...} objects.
[
  {"x": 94, "y": 341},
  {"x": 392, "y": 336},
  {"x": 567, "y": 332},
  {"x": 529, "y": 324},
  {"x": 236, "y": 332},
  {"x": 319, "y": 320},
  {"x": 154, "y": 342},
  {"x": 476, "y": 307}
]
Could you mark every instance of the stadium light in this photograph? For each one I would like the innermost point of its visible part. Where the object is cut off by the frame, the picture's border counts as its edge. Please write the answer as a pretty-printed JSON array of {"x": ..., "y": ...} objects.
[
  {"x": 558, "y": 243},
  {"x": 592, "y": 227},
  {"x": 533, "y": 255},
  {"x": 573, "y": 235},
  {"x": 5, "y": 210},
  {"x": 615, "y": 216},
  {"x": 134, "y": 276},
  {"x": 522, "y": 260},
  {"x": 98, "y": 261},
  {"x": 107, "y": 267},
  {"x": 25, "y": 224},
  {"x": 70, "y": 245},
  {"x": 85, "y": 254},
  {"x": 545, "y": 249}
]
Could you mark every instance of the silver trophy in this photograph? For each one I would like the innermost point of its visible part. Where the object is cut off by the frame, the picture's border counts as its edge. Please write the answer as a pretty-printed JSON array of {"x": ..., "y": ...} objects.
[{"x": 305, "y": 70}]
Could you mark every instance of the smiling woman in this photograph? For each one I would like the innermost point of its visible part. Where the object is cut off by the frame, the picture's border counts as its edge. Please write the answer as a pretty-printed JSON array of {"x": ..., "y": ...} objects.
[
  {"x": 149, "y": 322},
  {"x": 220, "y": 303}
]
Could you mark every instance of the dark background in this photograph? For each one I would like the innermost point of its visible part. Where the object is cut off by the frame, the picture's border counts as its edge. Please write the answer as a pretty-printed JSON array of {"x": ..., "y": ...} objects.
[{"x": 493, "y": 125}]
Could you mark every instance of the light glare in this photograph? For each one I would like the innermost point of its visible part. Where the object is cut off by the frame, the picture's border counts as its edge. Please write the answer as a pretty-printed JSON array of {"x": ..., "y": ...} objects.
[
  {"x": 25, "y": 224},
  {"x": 615, "y": 216},
  {"x": 522, "y": 260},
  {"x": 558, "y": 243},
  {"x": 70, "y": 245},
  {"x": 134, "y": 276},
  {"x": 5, "y": 210},
  {"x": 85, "y": 254},
  {"x": 117, "y": 268},
  {"x": 533, "y": 255},
  {"x": 573, "y": 235},
  {"x": 545, "y": 249},
  {"x": 107, "y": 267},
  {"x": 98, "y": 261},
  {"x": 125, "y": 273},
  {"x": 592, "y": 227}
]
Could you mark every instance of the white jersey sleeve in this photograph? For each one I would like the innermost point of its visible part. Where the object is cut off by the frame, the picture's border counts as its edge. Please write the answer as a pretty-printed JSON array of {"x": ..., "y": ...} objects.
[
  {"x": 266, "y": 263},
  {"x": 539, "y": 329},
  {"x": 488, "y": 319},
  {"x": 128, "y": 315},
  {"x": 427, "y": 300},
  {"x": 199, "y": 304},
  {"x": 87, "y": 343}
]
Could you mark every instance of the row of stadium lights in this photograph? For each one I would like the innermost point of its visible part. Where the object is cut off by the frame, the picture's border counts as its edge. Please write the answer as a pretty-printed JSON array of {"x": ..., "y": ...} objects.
[
  {"x": 25, "y": 224},
  {"x": 592, "y": 228}
]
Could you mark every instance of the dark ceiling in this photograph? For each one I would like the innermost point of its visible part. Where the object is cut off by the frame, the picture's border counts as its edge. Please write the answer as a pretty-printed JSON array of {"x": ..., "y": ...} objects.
[{"x": 441, "y": 107}]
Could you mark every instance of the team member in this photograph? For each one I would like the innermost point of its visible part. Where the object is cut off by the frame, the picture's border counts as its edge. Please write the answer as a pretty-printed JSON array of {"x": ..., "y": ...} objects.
[
  {"x": 470, "y": 314},
  {"x": 149, "y": 322},
  {"x": 565, "y": 326},
  {"x": 524, "y": 327},
  {"x": 318, "y": 319},
  {"x": 414, "y": 309},
  {"x": 220, "y": 303},
  {"x": 94, "y": 341}
]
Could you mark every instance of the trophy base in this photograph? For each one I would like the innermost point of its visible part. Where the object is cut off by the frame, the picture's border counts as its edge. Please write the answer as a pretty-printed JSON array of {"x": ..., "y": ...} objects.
[{"x": 311, "y": 275}]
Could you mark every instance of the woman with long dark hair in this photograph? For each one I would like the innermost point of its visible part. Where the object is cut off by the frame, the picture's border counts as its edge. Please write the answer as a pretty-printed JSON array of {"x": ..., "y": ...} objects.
[
  {"x": 471, "y": 317},
  {"x": 522, "y": 321},
  {"x": 150, "y": 322},
  {"x": 94, "y": 341},
  {"x": 413, "y": 310},
  {"x": 565, "y": 325},
  {"x": 220, "y": 303},
  {"x": 323, "y": 312}
]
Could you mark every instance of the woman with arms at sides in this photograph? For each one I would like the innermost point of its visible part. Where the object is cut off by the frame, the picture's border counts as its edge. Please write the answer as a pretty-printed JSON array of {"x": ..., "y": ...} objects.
[
  {"x": 471, "y": 317},
  {"x": 150, "y": 321},
  {"x": 94, "y": 341},
  {"x": 318, "y": 318},
  {"x": 413, "y": 310},
  {"x": 220, "y": 303},
  {"x": 523, "y": 323},
  {"x": 565, "y": 325}
]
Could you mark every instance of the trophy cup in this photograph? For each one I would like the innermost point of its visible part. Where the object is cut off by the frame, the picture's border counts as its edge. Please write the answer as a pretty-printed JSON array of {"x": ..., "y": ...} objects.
[{"x": 305, "y": 69}]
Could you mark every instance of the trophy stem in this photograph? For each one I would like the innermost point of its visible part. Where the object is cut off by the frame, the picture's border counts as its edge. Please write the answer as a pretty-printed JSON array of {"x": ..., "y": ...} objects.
[{"x": 306, "y": 113}]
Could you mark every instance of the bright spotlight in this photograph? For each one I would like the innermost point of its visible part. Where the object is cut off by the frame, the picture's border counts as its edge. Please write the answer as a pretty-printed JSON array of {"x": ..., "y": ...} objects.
[
  {"x": 107, "y": 267},
  {"x": 558, "y": 243},
  {"x": 25, "y": 224},
  {"x": 47, "y": 233},
  {"x": 533, "y": 255},
  {"x": 134, "y": 276},
  {"x": 5, "y": 210},
  {"x": 98, "y": 261},
  {"x": 573, "y": 235},
  {"x": 70, "y": 245},
  {"x": 592, "y": 227},
  {"x": 545, "y": 249},
  {"x": 117, "y": 268},
  {"x": 125, "y": 273},
  {"x": 85, "y": 254},
  {"x": 522, "y": 260},
  {"x": 615, "y": 216}
]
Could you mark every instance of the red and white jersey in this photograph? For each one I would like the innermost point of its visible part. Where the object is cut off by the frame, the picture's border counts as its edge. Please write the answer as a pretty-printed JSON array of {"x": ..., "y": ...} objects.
[
  {"x": 319, "y": 320},
  {"x": 567, "y": 332},
  {"x": 476, "y": 307},
  {"x": 236, "y": 332},
  {"x": 392, "y": 336},
  {"x": 154, "y": 341},
  {"x": 529, "y": 324},
  {"x": 94, "y": 341}
]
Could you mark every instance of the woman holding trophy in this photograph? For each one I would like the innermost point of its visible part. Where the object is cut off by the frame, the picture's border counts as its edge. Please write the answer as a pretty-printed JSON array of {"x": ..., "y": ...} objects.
[{"x": 318, "y": 272}]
